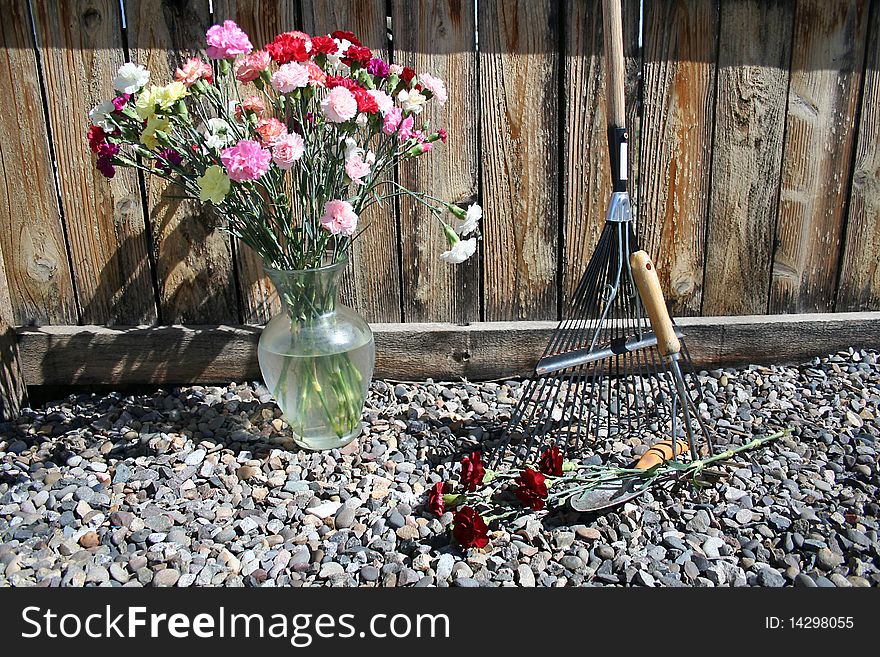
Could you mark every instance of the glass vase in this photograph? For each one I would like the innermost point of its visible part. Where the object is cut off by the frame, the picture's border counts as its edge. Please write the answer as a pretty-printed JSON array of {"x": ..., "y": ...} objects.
[{"x": 317, "y": 357}]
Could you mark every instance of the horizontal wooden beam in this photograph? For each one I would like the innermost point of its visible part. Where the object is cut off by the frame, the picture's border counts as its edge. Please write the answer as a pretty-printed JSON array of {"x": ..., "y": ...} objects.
[{"x": 61, "y": 355}]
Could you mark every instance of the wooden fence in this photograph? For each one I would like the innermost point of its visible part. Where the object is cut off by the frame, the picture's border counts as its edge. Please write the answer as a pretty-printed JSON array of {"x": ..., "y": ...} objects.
[{"x": 755, "y": 127}]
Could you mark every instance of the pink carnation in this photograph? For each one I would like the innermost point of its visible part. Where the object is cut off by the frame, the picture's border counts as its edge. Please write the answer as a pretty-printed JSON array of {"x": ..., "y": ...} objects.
[
  {"x": 356, "y": 168},
  {"x": 287, "y": 149},
  {"x": 395, "y": 69},
  {"x": 193, "y": 70},
  {"x": 392, "y": 120},
  {"x": 289, "y": 77},
  {"x": 406, "y": 129},
  {"x": 253, "y": 104},
  {"x": 317, "y": 77},
  {"x": 226, "y": 41},
  {"x": 247, "y": 160},
  {"x": 251, "y": 65},
  {"x": 340, "y": 105},
  {"x": 436, "y": 86},
  {"x": 339, "y": 217},
  {"x": 270, "y": 130},
  {"x": 383, "y": 100}
]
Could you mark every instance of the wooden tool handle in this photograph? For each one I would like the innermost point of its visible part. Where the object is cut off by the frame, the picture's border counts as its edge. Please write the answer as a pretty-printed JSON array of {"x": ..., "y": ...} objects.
[
  {"x": 612, "y": 22},
  {"x": 645, "y": 276}
]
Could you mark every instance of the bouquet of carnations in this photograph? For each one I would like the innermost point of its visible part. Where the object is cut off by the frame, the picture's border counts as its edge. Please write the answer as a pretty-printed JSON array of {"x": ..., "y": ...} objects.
[{"x": 291, "y": 144}]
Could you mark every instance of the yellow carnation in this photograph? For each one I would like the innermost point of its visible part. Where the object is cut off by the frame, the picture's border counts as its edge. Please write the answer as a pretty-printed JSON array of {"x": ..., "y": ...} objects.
[
  {"x": 148, "y": 136},
  {"x": 169, "y": 94},
  {"x": 145, "y": 105},
  {"x": 214, "y": 185}
]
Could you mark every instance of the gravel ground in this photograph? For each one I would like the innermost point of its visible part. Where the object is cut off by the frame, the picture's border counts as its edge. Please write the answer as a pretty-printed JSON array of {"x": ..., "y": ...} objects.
[{"x": 201, "y": 486}]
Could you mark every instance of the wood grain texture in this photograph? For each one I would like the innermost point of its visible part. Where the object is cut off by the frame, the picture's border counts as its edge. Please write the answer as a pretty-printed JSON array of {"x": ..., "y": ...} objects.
[
  {"x": 261, "y": 20},
  {"x": 680, "y": 48},
  {"x": 437, "y": 37},
  {"x": 40, "y": 285},
  {"x": 859, "y": 287},
  {"x": 827, "y": 59},
  {"x": 754, "y": 54},
  {"x": 168, "y": 355},
  {"x": 13, "y": 392},
  {"x": 519, "y": 92},
  {"x": 81, "y": 49},
  {"x": 194, "y": 265},
  {"x": 372, "y": 282}
]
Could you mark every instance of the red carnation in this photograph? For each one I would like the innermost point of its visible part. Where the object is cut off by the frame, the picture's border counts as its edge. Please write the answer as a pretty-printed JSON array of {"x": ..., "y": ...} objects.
[
  {"x": 360, "y": 54},
  {"x": 531, "y": 489},
  {"x": 324, "y": 44},
  {"x": 366, "y": 103},
  {"x": 551, "y": 462},
  {"x": 469, "y": 529},
  {"x": 339, "y": 81},
  {"x": 472, "y": 471},
  {"x": 435, "y": 499},
  {"x": 97, "y": 137},
  {"x": 289, "y": 47},
  {"x": 345, "y": 35},
  {"x": 407, "y": 75}
]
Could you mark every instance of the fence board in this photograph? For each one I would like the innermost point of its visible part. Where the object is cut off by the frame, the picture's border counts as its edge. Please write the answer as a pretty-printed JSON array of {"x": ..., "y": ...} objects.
[
  {"x": 38, "y": 276},
  {"x": 194, "y": 263},
  {"x": 753, "y": 59},
  {"x": 437, "y": 36},
  {"x": 827, "y": 60},
  {"x": 81, "y": 49},
  {"x": 519, "y": 92},
  {"x": 372, "y": 282},
  {"x": 262, "y": 20},
  {"x": 680, "y": 48},
  {"x": 859, "y": 287}
]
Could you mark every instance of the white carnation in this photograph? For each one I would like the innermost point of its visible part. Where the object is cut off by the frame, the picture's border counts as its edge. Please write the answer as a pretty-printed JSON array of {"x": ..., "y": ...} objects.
[
  {"x": 460, "y": 251},
  {"x": 100, "y": 115},
  {"x": 131, "y": 78},
  {"x": 472, "y": 221},
  {"x": 412, "y": 101}
]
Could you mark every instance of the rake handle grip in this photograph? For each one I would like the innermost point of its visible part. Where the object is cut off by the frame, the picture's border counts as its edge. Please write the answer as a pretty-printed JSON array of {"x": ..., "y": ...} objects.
[{"x": 645, "y": 276}]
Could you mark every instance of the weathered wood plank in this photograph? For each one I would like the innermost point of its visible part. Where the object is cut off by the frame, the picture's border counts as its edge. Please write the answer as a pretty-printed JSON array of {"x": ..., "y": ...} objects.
[
  {"x": 680, "y": 48},
  {"x": 40, "y": 286},
  {"x": 827, "y": 58},
  {"x": 13, "y": 392},
  {"x": 754, "y": 53},
  {"x": 372, "y": 281},
  {"x": 164, "y": 355},
  {"x": 437, "y": 37},
  {"x": 81, "y": 49},
  {"x": 194, "y": 264},
  {"x": 261, "y": 20},
  {"x": 519, "y": 92},
  {"x": 859, "y": 287}
]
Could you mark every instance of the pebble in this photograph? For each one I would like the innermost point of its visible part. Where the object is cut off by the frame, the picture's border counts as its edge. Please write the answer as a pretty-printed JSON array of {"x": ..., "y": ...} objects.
[{"x": 201, "y": 485}]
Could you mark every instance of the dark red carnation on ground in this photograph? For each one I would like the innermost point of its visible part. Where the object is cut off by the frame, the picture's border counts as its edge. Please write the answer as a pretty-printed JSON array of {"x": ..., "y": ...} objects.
[
  {"x": 472, "y": 471},
  {"x": 289, "y": 47},
  {"x": 366, "y": 103},
  {"x": 435, "y": 499},
  {"x": 324, "y": 44},
  {"x": 531, "y": 489},
  {"x": 551, "y": 462},
  {"x": 469, "y": 529}
]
